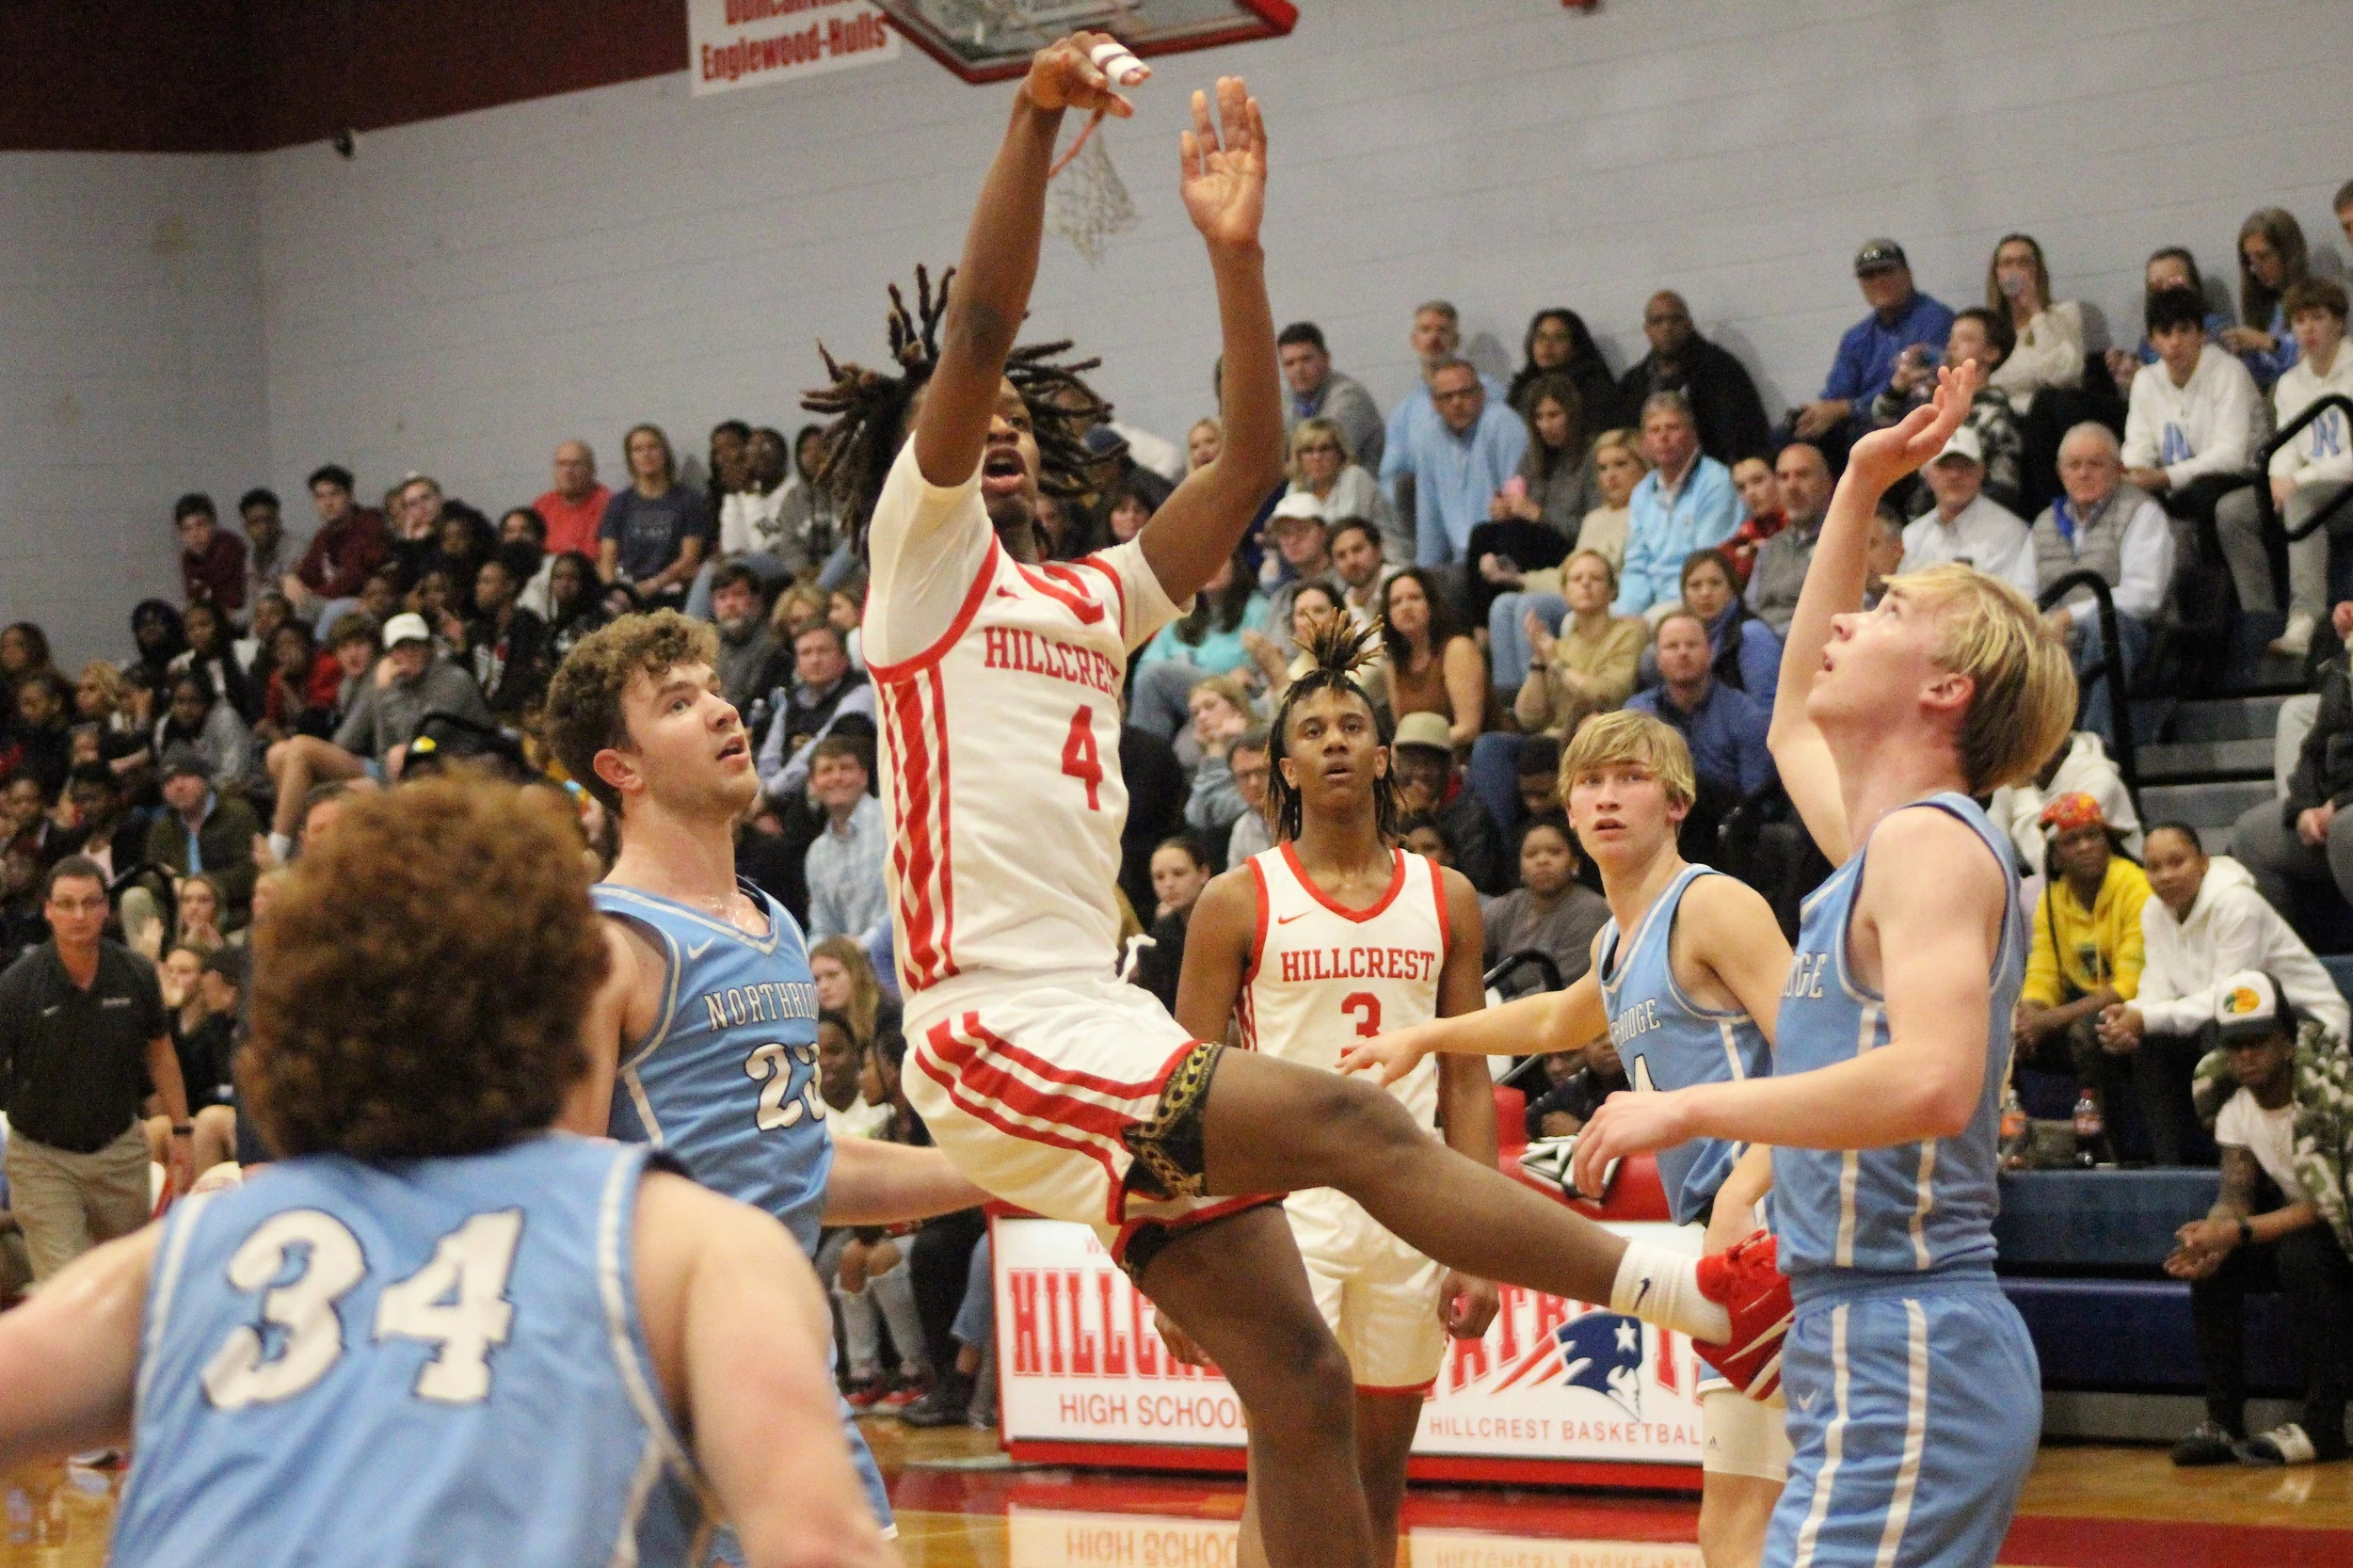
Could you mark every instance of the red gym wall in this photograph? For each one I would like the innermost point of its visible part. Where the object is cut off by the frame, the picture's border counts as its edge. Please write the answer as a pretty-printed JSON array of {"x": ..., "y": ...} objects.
[{"x": 247, "y": 76}]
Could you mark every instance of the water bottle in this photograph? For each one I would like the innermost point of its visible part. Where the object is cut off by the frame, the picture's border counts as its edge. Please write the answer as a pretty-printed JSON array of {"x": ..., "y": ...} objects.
[
  {"x": 2091, "y": 1130},
  {"x": 2016, "y": 1136}
]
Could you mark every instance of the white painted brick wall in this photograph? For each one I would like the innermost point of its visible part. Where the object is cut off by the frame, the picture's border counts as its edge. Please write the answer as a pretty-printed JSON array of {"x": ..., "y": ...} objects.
[
  {"x": 130, "y": 370},
  {"x": 469, "y": 290}
]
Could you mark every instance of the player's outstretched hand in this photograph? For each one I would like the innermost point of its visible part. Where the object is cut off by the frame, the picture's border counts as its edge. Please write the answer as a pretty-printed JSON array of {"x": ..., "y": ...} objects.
[
  {"x": 1628, "y": 1123},
  {"x": 1063, "y": 75},
  {"x": 1886, "y": 456},
  {"x": 1387, "y": 1057},
  {"x": 1224, "y": 165}
]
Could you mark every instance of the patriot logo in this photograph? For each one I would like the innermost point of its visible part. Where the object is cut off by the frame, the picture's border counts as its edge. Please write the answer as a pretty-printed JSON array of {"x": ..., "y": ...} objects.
[{"x": 1600, "y": 1351}]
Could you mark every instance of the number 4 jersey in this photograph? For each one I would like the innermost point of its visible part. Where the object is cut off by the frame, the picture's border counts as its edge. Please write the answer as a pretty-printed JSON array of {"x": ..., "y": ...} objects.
[
  {"x": 999, "y": 685},
  {"x": 434, "y": 1361}
]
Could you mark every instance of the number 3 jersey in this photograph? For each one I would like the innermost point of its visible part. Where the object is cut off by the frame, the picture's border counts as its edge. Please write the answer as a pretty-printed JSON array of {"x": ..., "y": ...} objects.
[
  {"x": 727, "y": 1079},
  {"x": 998, "y": 685},
  {"x": 1322, "y": 976},
  {"x": 426, "y": 1362}
]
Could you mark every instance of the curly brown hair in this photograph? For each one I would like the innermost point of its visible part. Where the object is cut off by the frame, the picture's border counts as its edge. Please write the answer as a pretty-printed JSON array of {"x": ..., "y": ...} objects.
[
  {"x": 584, "y": 708},
  {"x": 421, "y": 976},
  {"x": 869, "y": 410}
]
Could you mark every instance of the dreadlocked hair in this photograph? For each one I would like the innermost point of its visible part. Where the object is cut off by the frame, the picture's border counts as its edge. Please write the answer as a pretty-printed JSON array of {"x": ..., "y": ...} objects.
[
  {"x": 869, "y": 411},
  {"x": 1336, "y": 653}
]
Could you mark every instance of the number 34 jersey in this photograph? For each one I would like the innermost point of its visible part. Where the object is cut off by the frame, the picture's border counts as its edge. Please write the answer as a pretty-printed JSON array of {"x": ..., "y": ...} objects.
[
  {"x": 1321, "y": 976},
  {"x": 433, "y": 1361}
]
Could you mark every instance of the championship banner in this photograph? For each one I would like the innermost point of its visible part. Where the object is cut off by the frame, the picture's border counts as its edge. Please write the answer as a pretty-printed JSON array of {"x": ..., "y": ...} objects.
[
  {"x": 1553, "y": 1380},
  {"x": 750, "y": 44}
]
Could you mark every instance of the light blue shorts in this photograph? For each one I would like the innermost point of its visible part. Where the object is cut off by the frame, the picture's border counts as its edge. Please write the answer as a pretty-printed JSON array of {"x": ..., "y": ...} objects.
[{"x": 1916, "y": 1404}]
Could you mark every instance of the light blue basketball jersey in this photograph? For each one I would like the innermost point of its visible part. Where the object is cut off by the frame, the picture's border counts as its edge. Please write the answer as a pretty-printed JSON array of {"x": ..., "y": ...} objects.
[
  {"x": 1668, "y": 1041},
  {"x": 727, "y": 1079},
  {"x": 1912, "y": 1206},
  {"x": 726, "y": 1082},
  {"x": 428, "y": 1361}
]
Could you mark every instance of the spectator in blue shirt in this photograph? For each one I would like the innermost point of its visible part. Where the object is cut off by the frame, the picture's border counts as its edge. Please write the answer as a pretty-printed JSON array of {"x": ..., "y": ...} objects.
[
  {"x": 1458, "y": 460},
  {"x": 1438, "y": 332},
  {"x": 1725, "y": 729},
  {"x": 1686, "y": 502},
  {"x": 1902, "y": 319},
  {"x": 2271, "y": 261},
  {"x": 847, "y": 896}
]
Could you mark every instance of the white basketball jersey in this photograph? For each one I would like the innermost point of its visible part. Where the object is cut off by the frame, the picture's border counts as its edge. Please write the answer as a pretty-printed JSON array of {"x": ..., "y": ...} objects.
[
  {"x": 1321, "y": 976},
  {"x": 1001, "y": 742}
]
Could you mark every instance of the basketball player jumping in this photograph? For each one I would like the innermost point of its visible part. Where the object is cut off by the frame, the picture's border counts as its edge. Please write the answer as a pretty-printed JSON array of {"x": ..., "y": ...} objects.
[
  {"x": 703, "y": 1039},
  {"x": 1336, "y": 933},
  {"x": 1914, "y": 1399},
  {"x": 1043, "y": 1078},
  {"x": 1685, "y": 977},
  {"x": 435, "y": 1332}
]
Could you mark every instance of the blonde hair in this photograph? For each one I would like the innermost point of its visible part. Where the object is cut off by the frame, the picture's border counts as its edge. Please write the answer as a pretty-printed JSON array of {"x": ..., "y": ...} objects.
[
  {"x": 1626, "y": 735},
  {"x": 1621, "y": 437},
  {"x": 2023, "y": 700},
  {"x": 1314, "y": 425}
]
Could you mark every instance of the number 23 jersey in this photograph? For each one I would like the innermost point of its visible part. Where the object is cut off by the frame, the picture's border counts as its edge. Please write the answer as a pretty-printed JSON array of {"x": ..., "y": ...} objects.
[
  {"x": 1321, "y": 976},
  {"x": 726, "y": 1080},
  {"x": 432, "y": 1361},
  {"x": 999, "y": 687}
]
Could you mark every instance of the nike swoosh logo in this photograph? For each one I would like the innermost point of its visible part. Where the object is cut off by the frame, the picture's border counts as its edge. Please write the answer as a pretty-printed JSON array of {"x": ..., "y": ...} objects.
[
  {"x": 1285, "y": 920},
  {"x": 1805, "y": 1401},
  {"x": 1007, "y": 593},
  {"x": 1639, "y": 1296},
  {"x": 700, "y": 948}
]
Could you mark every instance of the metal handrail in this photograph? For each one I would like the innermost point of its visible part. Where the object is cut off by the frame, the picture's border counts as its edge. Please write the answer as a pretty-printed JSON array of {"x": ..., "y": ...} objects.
[
  {"x": 2111, "y": 666},
  {"x": 2275, "y": 534},
  {"x": 2333, "y": 402}
]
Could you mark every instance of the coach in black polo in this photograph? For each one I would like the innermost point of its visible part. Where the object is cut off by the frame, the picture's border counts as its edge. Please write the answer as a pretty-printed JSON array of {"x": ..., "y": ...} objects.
[{"x": 81, "y": 1037}]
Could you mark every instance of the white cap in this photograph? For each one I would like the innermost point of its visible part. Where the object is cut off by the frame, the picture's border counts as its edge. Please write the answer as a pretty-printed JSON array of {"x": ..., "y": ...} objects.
[
  {"x": 407, "y": 627},
  {"x": 1963, "y": 445},
  {"x": 2247, "y": 1006},
  {"x": 1300, "y": 504}
]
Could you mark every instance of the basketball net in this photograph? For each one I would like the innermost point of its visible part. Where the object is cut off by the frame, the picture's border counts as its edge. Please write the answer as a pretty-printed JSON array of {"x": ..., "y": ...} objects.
[{"x": 1088, "y": 203}]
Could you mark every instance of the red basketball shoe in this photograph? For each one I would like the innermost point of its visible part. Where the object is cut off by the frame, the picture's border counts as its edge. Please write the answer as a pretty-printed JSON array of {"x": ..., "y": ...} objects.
[{"x": 1747, "y": 1281}]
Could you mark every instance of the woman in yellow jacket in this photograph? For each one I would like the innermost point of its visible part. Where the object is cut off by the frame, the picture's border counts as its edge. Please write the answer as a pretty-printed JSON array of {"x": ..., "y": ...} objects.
[{"x": 2087, "y": 949}]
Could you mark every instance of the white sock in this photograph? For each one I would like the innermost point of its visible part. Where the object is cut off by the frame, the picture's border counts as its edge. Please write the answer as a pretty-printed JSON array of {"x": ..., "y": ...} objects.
[
  {"x": 1663, "y": 1287},
  {"x": 282, "y": 845}
]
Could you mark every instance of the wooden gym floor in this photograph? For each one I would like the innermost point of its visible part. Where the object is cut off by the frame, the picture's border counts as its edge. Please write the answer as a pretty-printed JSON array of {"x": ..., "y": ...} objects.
[{"x": 960, "y": 1506}]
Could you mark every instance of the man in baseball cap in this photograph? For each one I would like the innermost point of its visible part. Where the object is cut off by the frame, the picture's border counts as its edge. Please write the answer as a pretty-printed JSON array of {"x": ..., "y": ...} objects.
[
  {"x": 1422, "y": 760},
  {"x": 1900, "y": 317},
  {"x": 2279, "y": 1223},
  {"x": 373, "y": 742},
  {"x": 1966, "y": 524}
]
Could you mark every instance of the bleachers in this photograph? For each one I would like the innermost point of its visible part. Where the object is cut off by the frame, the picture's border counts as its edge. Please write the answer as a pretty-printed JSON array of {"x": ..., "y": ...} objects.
[{"x": 2080, "y": 1251}]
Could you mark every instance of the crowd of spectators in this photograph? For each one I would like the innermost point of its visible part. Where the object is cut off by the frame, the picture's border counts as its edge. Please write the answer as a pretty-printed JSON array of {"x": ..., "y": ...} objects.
[{"x": 1535, "y": 552}]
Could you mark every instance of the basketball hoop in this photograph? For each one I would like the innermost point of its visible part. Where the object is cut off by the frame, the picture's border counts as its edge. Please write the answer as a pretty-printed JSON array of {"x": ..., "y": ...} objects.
[{"x": 1088, "y": 202}]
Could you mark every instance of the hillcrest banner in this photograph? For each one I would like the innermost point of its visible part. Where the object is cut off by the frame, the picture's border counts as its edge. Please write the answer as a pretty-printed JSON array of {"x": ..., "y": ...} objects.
[
  {"x": 1553, "y": 1382},
  {"x": 750, "y": 44}
]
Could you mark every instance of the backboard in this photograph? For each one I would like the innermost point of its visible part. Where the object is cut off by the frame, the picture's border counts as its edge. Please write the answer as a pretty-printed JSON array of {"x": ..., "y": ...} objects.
[{"x": 990, "y": 40}]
